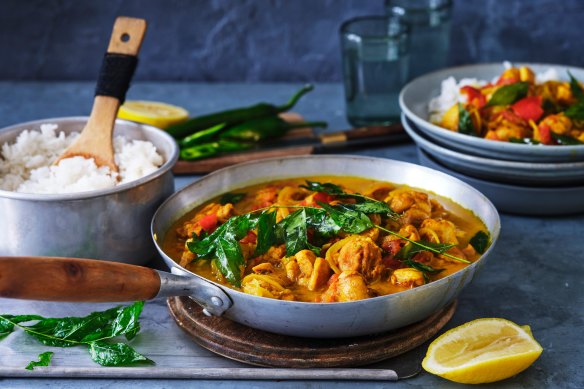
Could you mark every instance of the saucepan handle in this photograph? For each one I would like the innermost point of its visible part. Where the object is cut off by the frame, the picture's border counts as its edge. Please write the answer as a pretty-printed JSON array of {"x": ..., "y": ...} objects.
[{"x": 87, "y": 280}]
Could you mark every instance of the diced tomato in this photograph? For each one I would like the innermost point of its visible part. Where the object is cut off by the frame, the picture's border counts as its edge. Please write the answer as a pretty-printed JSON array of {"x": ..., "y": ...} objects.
[
  {"x": 512, "y": 117},
  {"x": 322, "y": 197},
  {"x": 529, "y": 108},
  {"x": 475, "y": 97},
  {"x": 208, "y": 222},
  {"x": 545, "y": 135},
  {"x": 251, "y": 237}
]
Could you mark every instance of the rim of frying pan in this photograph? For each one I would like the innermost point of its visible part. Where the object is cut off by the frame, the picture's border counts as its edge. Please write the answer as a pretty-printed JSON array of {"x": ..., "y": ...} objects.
[{"x": 494, "y": 234}]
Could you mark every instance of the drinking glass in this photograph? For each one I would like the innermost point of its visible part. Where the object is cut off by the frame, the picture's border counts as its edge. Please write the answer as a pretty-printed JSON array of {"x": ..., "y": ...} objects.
[
  {"x": 375, "y": 68},
  {"x": 429, "y": 22}
]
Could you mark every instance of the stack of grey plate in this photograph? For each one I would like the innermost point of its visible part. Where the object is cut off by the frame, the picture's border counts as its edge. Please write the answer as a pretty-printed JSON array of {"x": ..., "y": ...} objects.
[{"x": 517, "y": 178}]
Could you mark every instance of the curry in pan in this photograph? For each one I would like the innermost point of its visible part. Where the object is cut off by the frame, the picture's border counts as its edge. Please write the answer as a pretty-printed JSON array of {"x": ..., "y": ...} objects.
[{"x": 326, "y": 239}]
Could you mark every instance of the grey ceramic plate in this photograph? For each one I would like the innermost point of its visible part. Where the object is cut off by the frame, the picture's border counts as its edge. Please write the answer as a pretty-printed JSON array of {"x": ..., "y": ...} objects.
[
  {"x": 522, "y": 200},
  {"x": 416, "y": 95},
  {"x": 511, "y": 172}
]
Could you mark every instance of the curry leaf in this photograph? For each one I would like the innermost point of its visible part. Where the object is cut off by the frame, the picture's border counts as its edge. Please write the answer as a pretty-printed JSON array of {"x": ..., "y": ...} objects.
[
  {"x": 575, "y": 111},
  {"x": 92, "y": 330},
  {"x": 295, "y": 232},
  {"x": 576, "y": 88},
  {"x": 508, "y": 94},
  {"x": 465, "y": 125},
  {"x": 565, "y": 139},
  {"x": 44, "y": 360},
  {"x": 425, "y": 269},
  {"x": 411, "y": 249},
  {"x": 232, "y": 198},
  {"x": 323, "y": 227},
  {"x": 480, "y": 241},
  {"x": 115, "y": 354},
  {"x": 349, "y": 220},
  {"x": 328, "y": 187},
  {"x": 266, "y": 233},
  {"x": 229, "y": 259}
]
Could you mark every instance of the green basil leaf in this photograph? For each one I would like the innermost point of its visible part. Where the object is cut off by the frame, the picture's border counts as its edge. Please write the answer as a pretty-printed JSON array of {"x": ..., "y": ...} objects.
[
  {"x": 232, "y": 198},
  {"x": 44, "y": 360},
  {"x": 565, "y": 140},
  {"x": 349, "y": 220},
  {"x": 509, "y": 94},
  {"x": 480, "y": 241},
  {"x": 115, "y": 354},
  {"x": 465, "y": 125},
  {"x": 576, "y": 88}
]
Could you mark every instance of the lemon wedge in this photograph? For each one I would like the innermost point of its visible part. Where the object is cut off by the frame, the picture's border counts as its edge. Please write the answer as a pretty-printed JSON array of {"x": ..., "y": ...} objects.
[
  {"x": 481, "y": 351},
  {"x": 156, "y": 114}
]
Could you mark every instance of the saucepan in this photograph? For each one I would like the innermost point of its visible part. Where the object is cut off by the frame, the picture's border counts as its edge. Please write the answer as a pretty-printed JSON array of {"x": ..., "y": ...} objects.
[{"x": 66, "y": 279}]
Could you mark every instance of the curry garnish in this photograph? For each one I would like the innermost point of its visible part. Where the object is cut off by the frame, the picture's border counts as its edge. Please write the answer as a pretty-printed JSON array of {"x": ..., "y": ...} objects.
[
  {"x": 232, "y": 198},
  {"x": 44, "y": 360},
  {"x": 480, "y": 241},
  {"x": 94, "y": 331},
  {"x": 509, "y": 94},
  {"x": 306, "y": 228}
]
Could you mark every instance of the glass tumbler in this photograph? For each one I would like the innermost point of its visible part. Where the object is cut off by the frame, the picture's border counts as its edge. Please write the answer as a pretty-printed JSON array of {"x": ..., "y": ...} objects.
[
  {"x": 375, "y": 68},
  {"x": 429, "y": 22}
]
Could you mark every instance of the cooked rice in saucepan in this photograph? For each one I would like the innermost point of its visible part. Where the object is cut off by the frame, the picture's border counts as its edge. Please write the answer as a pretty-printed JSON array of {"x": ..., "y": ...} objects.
[{"x": 26, "y": 166}]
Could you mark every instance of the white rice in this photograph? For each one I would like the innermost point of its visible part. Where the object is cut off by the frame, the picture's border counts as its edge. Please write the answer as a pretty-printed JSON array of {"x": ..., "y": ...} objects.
[
  {"x": 450, "y": 91},
  {"x": 26, "y": 165}
]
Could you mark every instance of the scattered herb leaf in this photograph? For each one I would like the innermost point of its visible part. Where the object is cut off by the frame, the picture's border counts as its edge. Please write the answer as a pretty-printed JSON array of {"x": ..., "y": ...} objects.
[
  {"x": 411, "y": 249},
  {"x": 575, "y": 111},
  {"x": 509, "y": 94},
  {"x": 348, "y": 219},
  {"x": 465, "y": 125},
  {"x": 44, "y": 360},
  {"x": 565, "y": 140},
  {"x": 93, "y": 331},
  {"x": 327, "y": 187},
  {"x": 576, "y": 88},
  {"x": 425, "y": 269},
  {"x": 480, "y": 241},
  {"x": 266, "y": 233},
  {"x": 294, "y": 231},
  {"x": 232, "y": 198}
]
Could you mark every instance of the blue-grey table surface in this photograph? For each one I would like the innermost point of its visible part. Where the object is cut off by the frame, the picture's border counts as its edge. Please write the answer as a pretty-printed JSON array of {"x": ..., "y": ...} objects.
[{"x": 535, "y": 274}]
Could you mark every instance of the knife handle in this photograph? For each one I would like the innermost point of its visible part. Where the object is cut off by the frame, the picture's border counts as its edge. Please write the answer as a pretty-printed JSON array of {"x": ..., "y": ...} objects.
[
  {"x": 77, "y": 280},
  {"x": 362, "y": 133}
]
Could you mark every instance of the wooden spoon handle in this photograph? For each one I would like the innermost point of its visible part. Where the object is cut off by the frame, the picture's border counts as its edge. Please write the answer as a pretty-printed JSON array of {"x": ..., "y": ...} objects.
[
  {"x": 127, "y": 36},
  {"x": 72, "y": 279}
]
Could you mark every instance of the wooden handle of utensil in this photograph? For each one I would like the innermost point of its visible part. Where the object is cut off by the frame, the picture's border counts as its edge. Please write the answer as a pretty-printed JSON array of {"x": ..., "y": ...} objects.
[
  {"x": 73, "y": 279},
  {"x": 362, "y": 133},
  {"x": 127, "y": 36}
]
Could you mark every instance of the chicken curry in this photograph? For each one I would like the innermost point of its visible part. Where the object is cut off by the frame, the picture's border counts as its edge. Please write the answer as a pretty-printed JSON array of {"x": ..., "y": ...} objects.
[
  {"x": 515, "y": 108},
  {"x": 326, "y": 239}
]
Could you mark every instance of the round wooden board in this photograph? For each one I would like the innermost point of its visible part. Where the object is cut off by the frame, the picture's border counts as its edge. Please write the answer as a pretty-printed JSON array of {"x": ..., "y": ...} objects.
[{"x": 245, "y": 344}]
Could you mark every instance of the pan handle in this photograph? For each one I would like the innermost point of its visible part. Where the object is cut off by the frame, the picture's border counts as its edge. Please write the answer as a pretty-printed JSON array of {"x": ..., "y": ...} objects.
[{"x": 87, "y": 280}]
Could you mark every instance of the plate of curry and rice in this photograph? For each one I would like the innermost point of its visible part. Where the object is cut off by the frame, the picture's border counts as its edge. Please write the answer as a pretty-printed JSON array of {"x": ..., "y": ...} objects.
[{"x": 514, "y": 112}]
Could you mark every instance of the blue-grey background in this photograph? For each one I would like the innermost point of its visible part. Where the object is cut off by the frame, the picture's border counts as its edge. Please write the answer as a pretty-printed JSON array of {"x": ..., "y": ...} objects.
[{"x": 261, "y": 40}]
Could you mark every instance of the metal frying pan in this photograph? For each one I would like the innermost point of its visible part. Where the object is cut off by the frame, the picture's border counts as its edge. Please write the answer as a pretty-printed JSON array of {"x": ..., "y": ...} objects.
[{"x": 86, "y": 280}]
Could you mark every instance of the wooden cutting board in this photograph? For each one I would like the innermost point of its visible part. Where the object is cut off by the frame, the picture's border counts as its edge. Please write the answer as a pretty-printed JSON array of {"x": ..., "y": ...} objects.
[{"x": 245, "y": 344}]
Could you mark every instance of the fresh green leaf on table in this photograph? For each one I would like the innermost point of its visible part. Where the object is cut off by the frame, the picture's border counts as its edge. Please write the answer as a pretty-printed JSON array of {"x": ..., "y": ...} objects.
[
  {"x": 93, "y": 331},
  {"x": 44, "y": 360},
  {"x": 509, "y": 94}
]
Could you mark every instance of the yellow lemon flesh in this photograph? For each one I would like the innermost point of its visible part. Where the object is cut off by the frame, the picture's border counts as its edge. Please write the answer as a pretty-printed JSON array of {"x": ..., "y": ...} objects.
[
  {"x": 481, "y": 351},
  {"x": 156, "y": 114}
]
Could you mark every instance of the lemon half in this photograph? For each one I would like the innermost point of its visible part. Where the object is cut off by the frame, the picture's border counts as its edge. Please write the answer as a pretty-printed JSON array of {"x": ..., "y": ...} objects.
[
  {"x": 481, "y": 351},
  {"x": 154, "y": 113}
]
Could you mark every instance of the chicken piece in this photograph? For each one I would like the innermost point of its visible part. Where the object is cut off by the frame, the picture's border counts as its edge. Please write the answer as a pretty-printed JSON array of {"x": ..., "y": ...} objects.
[
  {"x": 415, "y": 206},
  {"x": 362, "y": 255},
  {"x": 526, "y": 75},
  {"x": 264, "y": 268},
  {"x": 439, "y": 231},
  {"x": 349, "y": 286},
  {"x": 450, "y": 118},
  {"x": 320, "y": 274},
  {"x": 407, "y": 277},
  {"x": 306, "y": 269},
  {"x": 560, "y": 123}
]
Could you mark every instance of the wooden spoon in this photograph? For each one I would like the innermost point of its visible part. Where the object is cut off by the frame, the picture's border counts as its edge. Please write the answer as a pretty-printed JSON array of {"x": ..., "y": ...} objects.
[{"x": 95, "y": 140}]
